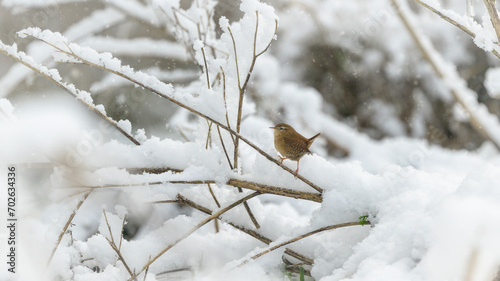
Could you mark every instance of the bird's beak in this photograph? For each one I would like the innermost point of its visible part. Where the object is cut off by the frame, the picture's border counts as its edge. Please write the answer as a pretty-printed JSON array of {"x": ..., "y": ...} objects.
[{"x": 272, "y": 128}]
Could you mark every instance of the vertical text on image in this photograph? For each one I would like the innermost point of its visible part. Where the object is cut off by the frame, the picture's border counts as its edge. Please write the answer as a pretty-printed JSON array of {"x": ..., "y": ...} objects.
[{"x": 11, "y": 219}]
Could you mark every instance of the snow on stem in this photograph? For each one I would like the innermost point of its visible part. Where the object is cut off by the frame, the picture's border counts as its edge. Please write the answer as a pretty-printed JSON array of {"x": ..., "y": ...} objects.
[
  {"x": 53, "y": 76},
  {"x": 458, "y": 21}
]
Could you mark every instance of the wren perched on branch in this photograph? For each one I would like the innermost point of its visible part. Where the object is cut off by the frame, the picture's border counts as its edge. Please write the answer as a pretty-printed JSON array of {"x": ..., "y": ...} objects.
[{"x": 290, "y": 144}]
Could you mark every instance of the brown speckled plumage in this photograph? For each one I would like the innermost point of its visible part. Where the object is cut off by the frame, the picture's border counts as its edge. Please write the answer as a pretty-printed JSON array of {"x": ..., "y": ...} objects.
[{"x": 290, "y": 144}]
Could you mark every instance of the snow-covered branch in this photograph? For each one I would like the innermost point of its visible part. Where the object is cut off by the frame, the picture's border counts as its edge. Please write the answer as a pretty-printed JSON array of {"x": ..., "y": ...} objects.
[
  {"x": 483, "y": 121},
  {"x": 53, "y": 76}
]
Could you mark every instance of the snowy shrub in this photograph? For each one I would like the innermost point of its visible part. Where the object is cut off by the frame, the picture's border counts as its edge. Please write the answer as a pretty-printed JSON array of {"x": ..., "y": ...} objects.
[{"x": 152, "y": 159}]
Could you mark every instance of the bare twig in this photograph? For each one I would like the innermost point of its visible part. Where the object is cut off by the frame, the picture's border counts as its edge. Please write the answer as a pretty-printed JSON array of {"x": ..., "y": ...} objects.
[
  {"x": 152, "y": 170},
  {"x": 165, "y": 201},
  {"x": 202, "y": 223},
  {"x": 116, "y": 249},
  {"x": 213, "y": 195},
  {"x": 495, "y": 21},
  {"x": 304, "y": 259},
  {"x": 302, "y": 237},
  {"x": 187, "y": 202},
  {"x": 209, "y": 134},
  {"x": 224, "y": 148},
  {"x": 206, "y": 67},
  {"x": 225, "y": 101},
  {"x": 66, "y": 226},
  {"x": 146, "y": 272},
  {"x": 121, "y": 236},
  {"x": 109, "y": 227}
]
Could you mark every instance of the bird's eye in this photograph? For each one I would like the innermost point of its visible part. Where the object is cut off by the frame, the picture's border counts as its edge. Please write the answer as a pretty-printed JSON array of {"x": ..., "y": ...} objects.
[{"x": 281, "y": 128}]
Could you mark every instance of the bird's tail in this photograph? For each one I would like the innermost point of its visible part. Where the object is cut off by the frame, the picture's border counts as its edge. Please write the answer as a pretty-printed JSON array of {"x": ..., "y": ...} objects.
[{"x": 312, "y": 138}]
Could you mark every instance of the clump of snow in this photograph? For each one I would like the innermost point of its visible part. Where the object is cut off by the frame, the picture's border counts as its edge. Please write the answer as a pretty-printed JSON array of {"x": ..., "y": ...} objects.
[{"x": 125, "y": 125}]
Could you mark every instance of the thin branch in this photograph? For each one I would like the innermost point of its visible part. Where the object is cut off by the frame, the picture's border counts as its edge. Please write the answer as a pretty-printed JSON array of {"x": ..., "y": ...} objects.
[
  {"x": 213, "y": 195},
  {"x": 146, "y": 272},
  {"x": 206, "y": 67},
  {"x": 224, "y": 148},
  {"x": 276, "y": 190},
  {"x": 165, "y": 201},
  {"x": 152, "y": 170},
  {"x": 430, "y": 55},
  {"x": 235, "y": 56},
  {"x": 116, "y": 249},
  {"x": 66, "y": 226},
  {"x": 199, "y": 225},
  {"x": 121, "y": 236},
  {"x": 304, "y": 259},
  {"x": 250, "y": 213},
  {"x": 187, "y": 202},
  {"x": 302, "y": 237},
  {"x": 109, "y": 227},
  {"x": 262, "y": 188},
  {"x": 67, "y": 88},
  {"x": 225, "y": 101},
  {"x": 495, "y": 21},
  {"x": 209, "y": 133}
]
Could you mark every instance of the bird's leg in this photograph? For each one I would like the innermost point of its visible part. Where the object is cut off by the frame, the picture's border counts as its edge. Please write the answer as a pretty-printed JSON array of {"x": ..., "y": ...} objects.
[
  {"x": 282, "y": 158},
  {"x": 297, "y": 171}
]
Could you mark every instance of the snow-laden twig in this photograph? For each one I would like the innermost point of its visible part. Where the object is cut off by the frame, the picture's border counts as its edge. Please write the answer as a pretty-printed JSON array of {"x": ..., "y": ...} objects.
[
  {"x": 470, "y": 28},
  {"x": 295, "y": 239},
  {"x": 107, "y": 62},
  {"x": 113, "y": 245},
  {"x": 92, "y": 24},
  {"x": 53, "y": 76},
  {"x": 482, "y": 121}
]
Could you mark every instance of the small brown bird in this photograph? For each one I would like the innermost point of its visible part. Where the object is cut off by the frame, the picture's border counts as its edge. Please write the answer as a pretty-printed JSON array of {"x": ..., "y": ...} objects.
[{"x": 290, "y": 144}]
